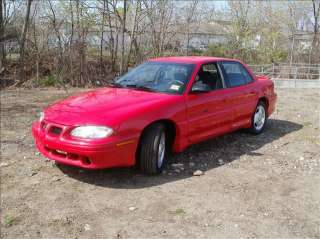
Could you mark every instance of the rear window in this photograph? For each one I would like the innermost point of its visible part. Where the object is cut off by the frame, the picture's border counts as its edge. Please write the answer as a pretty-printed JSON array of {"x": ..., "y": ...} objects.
[{"x": 236, "y": 74}]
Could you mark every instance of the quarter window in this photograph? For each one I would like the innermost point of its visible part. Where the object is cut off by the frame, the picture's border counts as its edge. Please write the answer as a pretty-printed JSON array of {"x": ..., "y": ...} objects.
[{"x": 236, "y": 74}]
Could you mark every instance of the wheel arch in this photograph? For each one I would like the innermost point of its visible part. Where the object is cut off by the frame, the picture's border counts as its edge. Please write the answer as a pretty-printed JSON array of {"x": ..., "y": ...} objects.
[
  {"x": 265, "y": 101},
  {"x": 171, "y": 128}
]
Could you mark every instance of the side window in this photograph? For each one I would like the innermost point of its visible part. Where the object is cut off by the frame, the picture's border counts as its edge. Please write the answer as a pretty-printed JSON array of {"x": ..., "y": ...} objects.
[
  {"x": 209, "y": 76},
  {"x": 237, "y": 75}
]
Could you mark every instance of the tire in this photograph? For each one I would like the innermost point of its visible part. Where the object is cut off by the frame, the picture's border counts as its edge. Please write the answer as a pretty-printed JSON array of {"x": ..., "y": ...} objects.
[
  {"x": 259, "y": 118},
  {"x": 153, "y": 149}
]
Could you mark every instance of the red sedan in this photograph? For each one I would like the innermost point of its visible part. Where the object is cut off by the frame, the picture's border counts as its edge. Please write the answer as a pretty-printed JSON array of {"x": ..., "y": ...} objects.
[{"x": 162, "y": 106}]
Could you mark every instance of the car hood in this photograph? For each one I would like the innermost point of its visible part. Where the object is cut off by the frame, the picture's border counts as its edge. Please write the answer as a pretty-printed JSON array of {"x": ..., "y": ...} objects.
[{"x": 101, "y": 106}]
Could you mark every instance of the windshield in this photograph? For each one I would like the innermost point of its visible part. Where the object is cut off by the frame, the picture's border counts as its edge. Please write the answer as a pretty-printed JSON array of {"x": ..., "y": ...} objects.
[{"x": 158, "y": 76}]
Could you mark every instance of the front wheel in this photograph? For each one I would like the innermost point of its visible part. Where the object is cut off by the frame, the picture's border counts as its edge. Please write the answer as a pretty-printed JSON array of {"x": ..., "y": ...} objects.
[
  {"x": 153, "y": 150},
  {"x": 259, "y": 118}
]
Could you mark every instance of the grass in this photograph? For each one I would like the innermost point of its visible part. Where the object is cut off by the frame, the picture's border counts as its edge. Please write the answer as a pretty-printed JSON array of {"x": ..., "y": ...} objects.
[
  {"x": 314, "y": 140},
  {"x": 311, "y": 139},
  {"x": 307, "y": 124},
  {"x": 8, "y": 221},
  {"x": 178, "y": 211}
]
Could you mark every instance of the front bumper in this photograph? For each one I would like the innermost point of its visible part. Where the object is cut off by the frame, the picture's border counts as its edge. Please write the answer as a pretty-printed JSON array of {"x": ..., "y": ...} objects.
[{"x": 114, "y": 152}]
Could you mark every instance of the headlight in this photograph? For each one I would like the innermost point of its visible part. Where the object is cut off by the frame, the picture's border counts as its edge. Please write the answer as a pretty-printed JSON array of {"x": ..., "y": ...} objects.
[
  {"x": 41, "y": 117},
  {"x": 92, "y": 132}
]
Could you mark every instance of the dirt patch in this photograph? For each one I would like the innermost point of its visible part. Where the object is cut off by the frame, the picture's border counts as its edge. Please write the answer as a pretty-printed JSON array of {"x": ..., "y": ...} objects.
[{"x": 265, "y": 186}]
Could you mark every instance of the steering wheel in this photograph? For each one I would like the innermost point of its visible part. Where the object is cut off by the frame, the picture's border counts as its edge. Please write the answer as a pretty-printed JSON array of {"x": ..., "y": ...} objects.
[{"x": 178, "y": 81}]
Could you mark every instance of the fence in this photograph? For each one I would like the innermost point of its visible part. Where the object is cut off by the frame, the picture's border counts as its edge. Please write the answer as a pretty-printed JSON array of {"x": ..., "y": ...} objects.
[{"x": 295, "y": 75}]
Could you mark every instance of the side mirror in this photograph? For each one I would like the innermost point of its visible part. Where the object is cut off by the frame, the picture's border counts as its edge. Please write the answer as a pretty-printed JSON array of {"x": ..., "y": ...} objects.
[
  {"x": 198, "y": 87},
  {"x": 116, "y": 78}
]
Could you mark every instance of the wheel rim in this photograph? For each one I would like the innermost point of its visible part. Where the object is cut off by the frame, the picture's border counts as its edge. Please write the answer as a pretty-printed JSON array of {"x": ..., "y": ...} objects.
[
  {"x": 259, "y": 117},
  {"x": 161, "y": 149}
]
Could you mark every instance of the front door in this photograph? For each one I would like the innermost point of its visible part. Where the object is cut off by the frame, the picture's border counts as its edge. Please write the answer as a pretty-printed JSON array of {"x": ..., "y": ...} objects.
[{"x": 209, "y": 112}]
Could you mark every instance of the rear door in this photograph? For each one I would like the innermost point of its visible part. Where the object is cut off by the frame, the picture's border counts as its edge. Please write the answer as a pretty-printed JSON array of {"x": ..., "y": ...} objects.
[
  {"x": 209, "y": 113},
  {"x": 243, "y": 93}
]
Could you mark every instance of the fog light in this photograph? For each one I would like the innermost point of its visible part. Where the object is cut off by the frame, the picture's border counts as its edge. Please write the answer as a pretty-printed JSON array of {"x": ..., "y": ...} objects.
[{"x": 86, "y": 161}]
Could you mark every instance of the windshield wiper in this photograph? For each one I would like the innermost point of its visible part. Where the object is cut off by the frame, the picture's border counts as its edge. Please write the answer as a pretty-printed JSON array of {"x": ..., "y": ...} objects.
[{"x": 140, "y": 87}]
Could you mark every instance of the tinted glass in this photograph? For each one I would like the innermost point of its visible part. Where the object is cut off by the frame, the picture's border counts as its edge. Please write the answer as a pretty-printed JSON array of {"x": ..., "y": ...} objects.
[
  {"x": 158, "y": 76},
  {"x": 237, "y": 75}
]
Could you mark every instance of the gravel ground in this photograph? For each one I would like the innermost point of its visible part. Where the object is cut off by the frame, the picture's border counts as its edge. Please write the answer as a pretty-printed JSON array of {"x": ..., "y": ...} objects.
[{"x": 265, "y": 186}]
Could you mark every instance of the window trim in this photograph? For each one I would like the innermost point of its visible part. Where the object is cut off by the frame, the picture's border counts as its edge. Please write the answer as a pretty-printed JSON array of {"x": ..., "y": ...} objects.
[
  {"x": 227, "y": 78},
  {"x": 219, "y": 70}
]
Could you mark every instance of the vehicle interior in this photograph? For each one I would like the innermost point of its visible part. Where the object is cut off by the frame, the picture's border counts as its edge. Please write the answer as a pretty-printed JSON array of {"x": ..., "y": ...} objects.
[{"x": 209, "y": 75}]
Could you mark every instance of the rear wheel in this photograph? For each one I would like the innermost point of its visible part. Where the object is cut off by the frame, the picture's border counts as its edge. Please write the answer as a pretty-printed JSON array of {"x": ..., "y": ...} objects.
[
  {"x": 153, "y": 149},
  {"x": 259, "y": 118}
]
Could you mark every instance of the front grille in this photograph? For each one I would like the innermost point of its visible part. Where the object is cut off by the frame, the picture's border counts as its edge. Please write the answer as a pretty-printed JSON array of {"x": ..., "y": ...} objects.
[{"x": 55, "y": 130}]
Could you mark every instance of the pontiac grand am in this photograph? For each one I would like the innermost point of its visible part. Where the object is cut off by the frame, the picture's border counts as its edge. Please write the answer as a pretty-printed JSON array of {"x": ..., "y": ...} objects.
[{"x": 162, "y": 106}]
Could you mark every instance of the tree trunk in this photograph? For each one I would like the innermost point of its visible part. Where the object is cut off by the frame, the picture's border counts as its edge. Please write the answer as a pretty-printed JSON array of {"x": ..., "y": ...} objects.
[
  {"x": 2, "y": 46},
  {"x": 132, "y": 34},
  {"x": 79, "y": 44},
  {"x": 123, "y": 36},
  {"x": 102, "y": 36},
  {"x": 292, "y": 48},
  {"x": 111, "y": 39},
  {"x": 188, "y": 40},
  {"x": 36, "y": 43},
  {"x": 315, "y": 41},
  {"x": 23, "y": 40},
  {"x": 55, "y": 27},
  {"x": 71, "y": 44}
]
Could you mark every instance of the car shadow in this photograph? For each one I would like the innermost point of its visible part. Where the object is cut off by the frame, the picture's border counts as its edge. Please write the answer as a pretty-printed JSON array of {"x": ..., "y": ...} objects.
[{"x": 204, "y": 156}]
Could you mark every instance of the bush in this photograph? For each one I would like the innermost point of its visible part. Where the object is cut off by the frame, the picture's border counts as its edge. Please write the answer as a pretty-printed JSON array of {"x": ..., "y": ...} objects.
[
  {"x": 218, "y": 50},
  {"x": 279, "y": 56},
  {"x": 49, "y": 80},
  {"x": 247, "y": 54},
  {"x": 195, "y": 52}
]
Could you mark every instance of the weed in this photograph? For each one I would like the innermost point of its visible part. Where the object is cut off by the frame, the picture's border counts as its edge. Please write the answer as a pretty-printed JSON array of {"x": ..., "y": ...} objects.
[{"x": 8, "y": 221}]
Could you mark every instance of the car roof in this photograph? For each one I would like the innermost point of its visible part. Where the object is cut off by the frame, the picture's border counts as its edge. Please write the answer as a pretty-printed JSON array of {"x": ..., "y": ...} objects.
[{"x": 191, "y": 59}]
